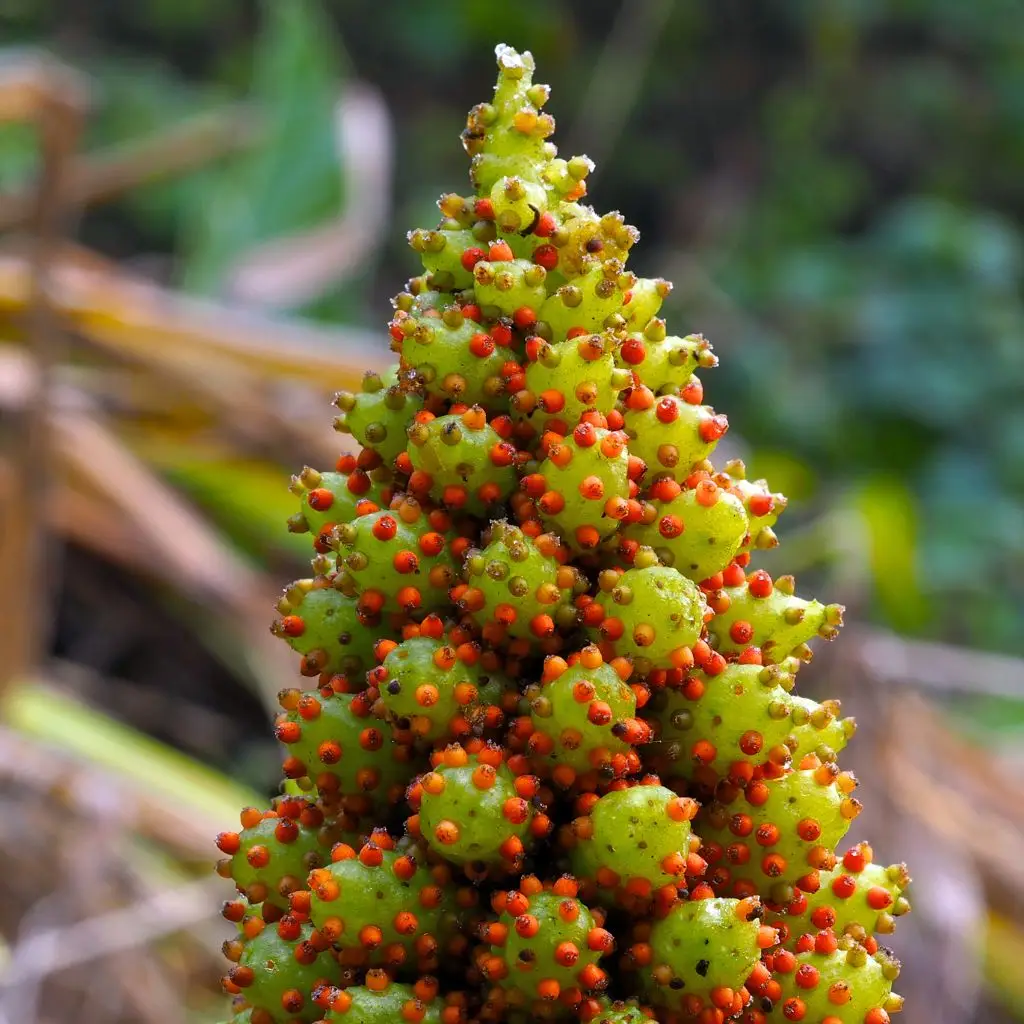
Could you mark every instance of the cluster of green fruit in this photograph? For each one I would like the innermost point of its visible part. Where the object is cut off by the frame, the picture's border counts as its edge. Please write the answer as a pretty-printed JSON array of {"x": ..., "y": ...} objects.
[{"x": 549, "y": 764}]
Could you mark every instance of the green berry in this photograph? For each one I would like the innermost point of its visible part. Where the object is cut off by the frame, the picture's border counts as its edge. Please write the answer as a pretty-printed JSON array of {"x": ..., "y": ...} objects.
[
  {"x": 570, "y": 378},
  {"x": 643, "y": 301},
  {"x": 588, "y": 302},
  {"x": 326, "y": 499},
  {"x": 505, "y": 287},
  {"x": 664, "y": 363},
  {"x": 710, "y": 946},
  {"x": 778, "y": 833},
  {"x": 671, "y": 435},
  {"x": 582, "y": 719},
  {"x": 376, "y": 417},
  {"x": 518, "y": 585},
  {"x": 695, "y": 529},
  {"x": 763, "y": 506},
  {"x": 857, "y": 898},
  {"x": 326, "y": 627},
  {"x": 606, "y": 1011},
  {"x": 582, "y": 485},
  {"x": 396, "y": 560},
  {"x": 272, "y": 855},
  {"x": 279, "y": 970},
  {"x": 470, "y": 810},
  {"x": 454, "y": 357},
  {"x": 439, "y": 689},
  {"x": 651, "y": 614},
  {"x": 461, "y": 461},
  {"x": 381, "y": 1000},
  {"x": 763, "y": 613},
  {"x": 742, "y": 716},
  {"x": 334, "y": 741},
  {"x": 634, "y": 843},
  {"x": 546, "y": 944},
  {"x": 846, "y": 984},
  {"x": 380, "y": 907}
]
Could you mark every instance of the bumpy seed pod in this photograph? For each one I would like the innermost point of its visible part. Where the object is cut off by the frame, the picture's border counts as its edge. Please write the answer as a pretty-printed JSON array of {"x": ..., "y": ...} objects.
[
  {"x": 587, "y": 303},
  {"x": 857, "y": 898},
  {"x": 585, "y": 239},
  {"x": 462, "y": 461},
  {"x": 724, "y": 725},
  {"x": 777, "y": 834},
  {"x": 377, "y": 415},
  {"x": 380, "y": 907},
  {"x": 473, "y": 811},
  {"x": 400, "y": 559},
  {"x": 326, "y": 627},
  {"x": 699, "y": 956},
  {"x": 380, "y": 1000},
  {"x": 664, "y": 363},
  {"x": 833, "y": 980},
  {"x": 454, "y": 356},
  {"x": 672, "y": 433},
  {"x": 567, "y": 379},
  {"x": 358, "y": 485},
  {"x": 274, "y": 852},
  {"x": 697, "y": 529},
  {"x": 438, "y": 686},
  {"x": 651, "y": 614},
  {"x": 643, "y": 301},
  {"x": 762, "y": 504},
  {"x": 279, "y": 968},
  {"x": 441, "y": 253},
  {"x": 545, "y": 945},
  {"x": 334, "y": 741},
  {"x": 518, "y": 585},
  {"x": 582, "y": 725},
  {"x": 582, "y": 485},
  {"x": 508, "y": 287},
  {"x": 634, "y": 846},
  {"x": 757, "y": 611}
]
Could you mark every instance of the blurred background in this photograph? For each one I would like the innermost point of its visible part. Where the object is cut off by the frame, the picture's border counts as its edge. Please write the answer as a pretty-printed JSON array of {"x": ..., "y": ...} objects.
[{"x": 203, "y": 208}]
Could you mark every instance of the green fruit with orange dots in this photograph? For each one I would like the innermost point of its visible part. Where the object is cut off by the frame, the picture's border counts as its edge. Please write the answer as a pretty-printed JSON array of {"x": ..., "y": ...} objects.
[
  {"x": 518, "y": 585},
  {"x": 473, "y": 811},
  {"x": 334, "y": 741},
  {"x": 858, "y": 898},
  {"x": 379, "y": 906},
  {"x": 723, "y": 725},
  {"x": 278, "y": 967},
  {"x": 376, "y": 415},
  {"x": 653, "y": 614},
  {"x": 633, "y": 847},
  {"x": 439, "y": 683},
  {"x": 778, "y": 832},
  {"x": 830, "y": 979},
  {"x": 382, "y": 1000},
  {"x": 582, "y": 723},
  {"x": 398, "y": 559},
  {"x": 328, "y": 628},
  {"x": 462, "y": 461}
]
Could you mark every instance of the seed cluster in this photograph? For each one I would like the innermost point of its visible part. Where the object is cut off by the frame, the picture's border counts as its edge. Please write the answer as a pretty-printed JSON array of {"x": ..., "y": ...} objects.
[{"x": 547, "y": 762}]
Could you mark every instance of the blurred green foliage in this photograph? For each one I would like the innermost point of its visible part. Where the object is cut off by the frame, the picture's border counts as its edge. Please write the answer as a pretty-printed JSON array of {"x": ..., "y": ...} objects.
[{"x": 834, "y": 186}]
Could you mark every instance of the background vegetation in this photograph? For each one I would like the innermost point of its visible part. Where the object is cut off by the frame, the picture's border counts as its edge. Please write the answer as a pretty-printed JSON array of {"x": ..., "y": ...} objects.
[{"x": 833, "y": 187}]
